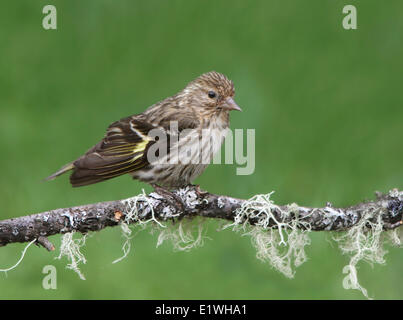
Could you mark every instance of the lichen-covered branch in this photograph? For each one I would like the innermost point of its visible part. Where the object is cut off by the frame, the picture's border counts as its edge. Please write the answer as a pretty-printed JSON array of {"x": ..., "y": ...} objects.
[{"x": 191, "y": 202}]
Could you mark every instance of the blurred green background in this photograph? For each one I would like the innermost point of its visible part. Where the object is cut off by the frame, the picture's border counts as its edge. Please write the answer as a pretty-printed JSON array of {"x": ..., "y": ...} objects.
[{"x": 326, "y": 104}]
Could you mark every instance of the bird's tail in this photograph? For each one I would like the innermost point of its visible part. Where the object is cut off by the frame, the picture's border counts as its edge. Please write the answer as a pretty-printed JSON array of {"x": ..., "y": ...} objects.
[{"x": 64, "y": 169}]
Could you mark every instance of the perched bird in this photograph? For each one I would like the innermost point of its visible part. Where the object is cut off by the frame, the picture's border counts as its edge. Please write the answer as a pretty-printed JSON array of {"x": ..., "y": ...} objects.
[{"x": 200, "y": 111}]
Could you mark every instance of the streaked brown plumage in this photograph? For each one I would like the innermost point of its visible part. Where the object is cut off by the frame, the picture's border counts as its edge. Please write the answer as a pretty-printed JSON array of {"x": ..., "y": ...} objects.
[{"x": 203, "y": 106}]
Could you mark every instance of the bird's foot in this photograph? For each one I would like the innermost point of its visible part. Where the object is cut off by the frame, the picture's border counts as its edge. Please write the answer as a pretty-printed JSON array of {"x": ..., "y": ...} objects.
[
  {"x": 170, "y": 196},
  {"x": 199, "y": 191}
]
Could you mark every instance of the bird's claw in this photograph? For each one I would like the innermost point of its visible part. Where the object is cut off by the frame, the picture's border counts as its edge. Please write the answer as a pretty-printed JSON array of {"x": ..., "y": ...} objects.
[
  {"x": 199, "y": 191},
  {"x": 170, "y": 196}
]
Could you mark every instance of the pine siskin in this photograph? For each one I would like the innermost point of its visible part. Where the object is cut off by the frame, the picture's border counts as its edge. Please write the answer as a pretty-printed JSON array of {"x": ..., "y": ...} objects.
[{"x": 168, "y": 145}]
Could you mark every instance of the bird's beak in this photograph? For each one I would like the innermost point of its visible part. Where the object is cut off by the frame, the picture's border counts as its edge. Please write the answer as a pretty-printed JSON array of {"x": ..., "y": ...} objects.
[{"x": 230, "y": 104}]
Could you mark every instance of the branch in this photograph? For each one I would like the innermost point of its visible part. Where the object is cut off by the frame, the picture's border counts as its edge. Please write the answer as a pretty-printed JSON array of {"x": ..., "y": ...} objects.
[{"x": 191, "y": 202}]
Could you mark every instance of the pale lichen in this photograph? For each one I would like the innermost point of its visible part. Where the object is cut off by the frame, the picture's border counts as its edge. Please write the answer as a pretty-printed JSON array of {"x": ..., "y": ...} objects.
[
  {"x": 281, "y": 242},
  {"x": 184, "y": 235},
  {"x": 279, "y": 233},
  {"x": 132, "y": 212},
  {"x": 70, "y": 248},
  {"x": 19, "y": 260},
  {"x": 365, "y": 241}
]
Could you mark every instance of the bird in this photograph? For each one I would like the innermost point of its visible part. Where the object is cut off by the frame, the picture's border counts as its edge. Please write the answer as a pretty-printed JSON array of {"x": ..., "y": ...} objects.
[{"x": 151, "y": 146}]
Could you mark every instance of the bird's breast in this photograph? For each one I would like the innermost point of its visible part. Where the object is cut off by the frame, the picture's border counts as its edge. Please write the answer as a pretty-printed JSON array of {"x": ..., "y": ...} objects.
[
  {"x": 187, "y": 158},
  {"x": 213, "y": 135}
]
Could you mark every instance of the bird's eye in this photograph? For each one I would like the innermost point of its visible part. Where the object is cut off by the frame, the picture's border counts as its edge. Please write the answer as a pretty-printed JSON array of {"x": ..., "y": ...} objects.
[{"x": 212, "y": 94}]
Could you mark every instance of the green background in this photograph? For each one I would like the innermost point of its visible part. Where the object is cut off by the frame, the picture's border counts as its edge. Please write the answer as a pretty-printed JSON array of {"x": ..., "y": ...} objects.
[{"x": 326, "y": 104}]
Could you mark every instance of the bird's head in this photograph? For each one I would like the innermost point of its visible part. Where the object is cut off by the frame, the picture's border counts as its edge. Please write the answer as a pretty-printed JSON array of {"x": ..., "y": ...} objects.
[{"x": 211, "y": 92}]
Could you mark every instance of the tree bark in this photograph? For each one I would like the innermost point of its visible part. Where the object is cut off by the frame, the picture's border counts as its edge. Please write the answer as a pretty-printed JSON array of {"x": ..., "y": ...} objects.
[{"x": 190, "y": 202}]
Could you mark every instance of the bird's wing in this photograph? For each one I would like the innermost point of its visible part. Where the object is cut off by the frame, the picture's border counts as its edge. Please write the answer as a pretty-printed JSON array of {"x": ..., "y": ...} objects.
[
  {"x": 124, "y": 147},
  {"x": 175, "y": 125},
  {"x": 122, "y": 150}
]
